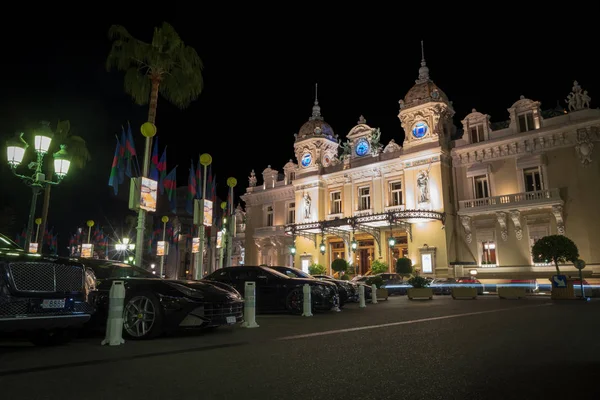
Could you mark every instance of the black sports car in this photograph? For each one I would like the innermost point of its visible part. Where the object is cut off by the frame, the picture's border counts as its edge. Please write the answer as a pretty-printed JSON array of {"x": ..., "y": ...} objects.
[
  {"x": 354, "y": 287},
  {"x": 276, "y": 291},
  {"x": 347, "y": 291},
  {"x": 154, "y": 305}
]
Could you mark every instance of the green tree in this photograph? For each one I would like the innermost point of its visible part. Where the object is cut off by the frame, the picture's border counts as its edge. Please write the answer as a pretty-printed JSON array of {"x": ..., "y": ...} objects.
[
  {"x": 78, "y": 154},
  {"x": 378, "y": 267},
  {"x": 339, "y": 265},
  {"x": 555, "y": 248},
  {"x": 165, "y": 65},
  {"x": 316, "y": 269},
  {"x": 404, "y": 266}
]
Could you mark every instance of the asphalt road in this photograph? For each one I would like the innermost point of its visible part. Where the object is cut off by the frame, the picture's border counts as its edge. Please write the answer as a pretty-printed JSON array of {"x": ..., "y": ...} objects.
[{"x": 441, "y": 349}]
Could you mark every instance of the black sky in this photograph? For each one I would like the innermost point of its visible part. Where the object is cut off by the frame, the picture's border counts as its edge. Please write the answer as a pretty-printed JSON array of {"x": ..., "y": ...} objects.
[{"x": 260, "y": 69}]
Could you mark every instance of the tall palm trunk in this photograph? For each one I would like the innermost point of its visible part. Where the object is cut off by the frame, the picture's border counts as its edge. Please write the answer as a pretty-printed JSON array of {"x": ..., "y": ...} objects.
[
  {"x": 45, "y": 209},
  {"x": 139, "y": 241}
]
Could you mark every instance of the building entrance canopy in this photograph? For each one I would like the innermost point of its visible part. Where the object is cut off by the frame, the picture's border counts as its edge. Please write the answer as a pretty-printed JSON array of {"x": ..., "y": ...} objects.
[{"x": 371, "y": 224}]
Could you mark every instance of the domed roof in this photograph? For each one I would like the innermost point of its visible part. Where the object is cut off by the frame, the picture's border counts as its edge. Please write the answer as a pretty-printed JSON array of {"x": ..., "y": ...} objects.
[
  {"x": 424, "y": 92},
  {"x": 315, "y": 126}
]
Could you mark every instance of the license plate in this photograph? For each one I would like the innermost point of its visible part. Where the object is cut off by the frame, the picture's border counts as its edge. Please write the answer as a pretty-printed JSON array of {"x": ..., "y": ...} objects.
[
  {"x": 53, "y": 303},
  {"x": 231, "y": 320}
]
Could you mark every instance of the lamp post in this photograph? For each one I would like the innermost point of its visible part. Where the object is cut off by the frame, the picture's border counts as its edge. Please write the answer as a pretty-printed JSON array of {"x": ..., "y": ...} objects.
[
  {"x": 148, "y": 130},
  {"x": 231, "y": 182},
  {"x": 15, "y": 151},
  {"x": 205, "y": 160},
  {"x": 164, "y": 220},
  {"x": 89, "y": 224},
  {"x": 223, "y": 231}
]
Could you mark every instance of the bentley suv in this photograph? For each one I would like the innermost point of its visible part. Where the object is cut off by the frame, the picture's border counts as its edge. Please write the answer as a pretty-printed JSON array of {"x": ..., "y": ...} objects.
[{"x": 43, "y": 297}]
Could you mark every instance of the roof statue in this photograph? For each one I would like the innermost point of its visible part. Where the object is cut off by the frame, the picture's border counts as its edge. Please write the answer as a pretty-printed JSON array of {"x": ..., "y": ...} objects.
[{"x": 578, "y": 99}]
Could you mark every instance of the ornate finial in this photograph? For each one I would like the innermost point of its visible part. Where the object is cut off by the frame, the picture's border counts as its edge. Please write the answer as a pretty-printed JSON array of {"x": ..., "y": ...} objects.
[
  {"x": 316, "y": 111},
  {"x": 521, "y": 97},
  {"x": 252, "y": 179},
  {"x": 362, "y": 120},
  {"x": 423, "y": 71}
]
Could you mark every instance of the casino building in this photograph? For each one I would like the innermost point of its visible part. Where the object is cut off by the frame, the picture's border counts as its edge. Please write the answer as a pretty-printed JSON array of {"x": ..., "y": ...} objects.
[{"x": 479, "y": 201}]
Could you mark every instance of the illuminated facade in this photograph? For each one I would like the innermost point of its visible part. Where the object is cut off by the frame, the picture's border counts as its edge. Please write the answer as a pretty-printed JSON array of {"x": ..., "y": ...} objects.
[{"x": 479, "y": 201}]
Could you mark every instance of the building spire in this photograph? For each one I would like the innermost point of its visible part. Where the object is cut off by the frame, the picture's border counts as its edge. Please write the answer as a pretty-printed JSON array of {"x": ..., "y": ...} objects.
[
  {"x": 316, "y": 110},
  {"x": 423, "y": 71}
]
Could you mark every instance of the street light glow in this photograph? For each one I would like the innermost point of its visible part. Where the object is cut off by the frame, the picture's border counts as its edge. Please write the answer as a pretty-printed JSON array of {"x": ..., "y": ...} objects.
[
  {"x": 42, "y": 143},
  {"x": 15, "y": 155},
  {"x": 61, "y": 162}
]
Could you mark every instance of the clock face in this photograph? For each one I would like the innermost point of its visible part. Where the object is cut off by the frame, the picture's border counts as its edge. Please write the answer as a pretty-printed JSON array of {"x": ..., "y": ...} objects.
[
  {"x": 420, "y": 130},
  {"x": 362, "y": 148},
  {"x": 306, "y": 159}
]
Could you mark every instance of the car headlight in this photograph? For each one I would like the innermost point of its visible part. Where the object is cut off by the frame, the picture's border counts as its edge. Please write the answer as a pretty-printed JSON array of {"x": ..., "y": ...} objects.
[{"x": 188, "y": 291}]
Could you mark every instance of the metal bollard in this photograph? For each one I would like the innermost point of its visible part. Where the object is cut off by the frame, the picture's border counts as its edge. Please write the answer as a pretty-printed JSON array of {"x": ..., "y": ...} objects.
[
  {"x": 307, "y": 309},
  {"x": 373, "y": 294},
  {"x": 361, "y": 296},
  {"x": 250, "y": 305},
  {"x": 114, "y": 324}
]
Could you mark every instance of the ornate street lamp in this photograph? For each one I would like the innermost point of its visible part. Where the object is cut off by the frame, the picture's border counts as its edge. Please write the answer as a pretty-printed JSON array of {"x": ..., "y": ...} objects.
[
  {"x": 15, "y": 152},
  {"x": 354, "y": 244},
  {"x": 322, "y": 247},
  {"x": 392, "y": 242}
]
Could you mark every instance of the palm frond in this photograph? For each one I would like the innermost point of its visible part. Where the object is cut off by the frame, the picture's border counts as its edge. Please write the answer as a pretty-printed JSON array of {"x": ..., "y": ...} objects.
[
  {"x": 78, "y": 151},
  {"x": 138, "y": 85}
]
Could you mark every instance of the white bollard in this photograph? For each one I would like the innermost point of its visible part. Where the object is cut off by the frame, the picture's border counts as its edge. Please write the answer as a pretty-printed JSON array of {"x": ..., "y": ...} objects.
[
  {"x": 307, "y": 309},
  {"x": 114, "y": 324},
  {"x": 373, "y": 294},
  {"x": 250, "y": 305},
  {"x": 361, "y": 296}
]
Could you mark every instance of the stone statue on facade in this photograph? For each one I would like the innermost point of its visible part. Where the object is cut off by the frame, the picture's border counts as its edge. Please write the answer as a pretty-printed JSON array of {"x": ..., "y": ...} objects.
[
  {"x": 252, "y": 179},
  {"x": 391, "y": 147},
  {"x": 307, "y": 202},
  {"x": 375, "y": 141},
  {"x": 346, "y": 150},
  {"x": 423, "y": 185},
  {"x": 401, "y": 102},
  {"x": 578, "y": 99}
]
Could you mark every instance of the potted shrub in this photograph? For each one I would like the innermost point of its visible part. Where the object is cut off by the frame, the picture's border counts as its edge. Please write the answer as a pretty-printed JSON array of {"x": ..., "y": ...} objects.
[
  {"x": 340, "y": 266},
  {"x": 557, "y": 249},
  {"x": 420, "y": 288},
  {"x": 404, "y": 266},
  {"x": 317, "y": 269},
  {"x": 381, "y": 293},
  {"x": 378, "y": 267}
]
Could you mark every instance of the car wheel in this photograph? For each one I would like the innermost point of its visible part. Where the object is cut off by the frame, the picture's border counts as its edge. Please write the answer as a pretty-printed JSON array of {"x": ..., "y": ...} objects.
[
  {"x": 52, "y": 337},
  {"x": 294, "y": 301},
  {"x": 142, "y": 316}
]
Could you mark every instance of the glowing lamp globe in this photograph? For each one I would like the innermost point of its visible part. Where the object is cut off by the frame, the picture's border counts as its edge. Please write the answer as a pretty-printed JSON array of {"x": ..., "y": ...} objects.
[
  {"x": 90, "y": 223},
  {"x": 231, "y": 182},
  {"x": 42, "y": 143},
  {"x": 38, "y": 221},
  {"x": 164, "y": 219},
  {"x": 223, "y": 205},
  {"x": 61, "y": 162},
  {"x": 148, "y": 129},
  {"x": 15, "y": 151}
]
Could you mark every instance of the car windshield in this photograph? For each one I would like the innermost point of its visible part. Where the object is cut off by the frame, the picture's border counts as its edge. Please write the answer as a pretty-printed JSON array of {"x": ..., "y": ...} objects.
[
  {"x": 115, "y": 269},
  {"x": 276, "y": 273},
  {"x": 7, "y": 244},
  {"x": 293, "y": 272}
]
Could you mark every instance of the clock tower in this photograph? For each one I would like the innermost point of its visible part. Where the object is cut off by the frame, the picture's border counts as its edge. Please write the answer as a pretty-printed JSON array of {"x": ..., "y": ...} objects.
[
  {"x": 425, "y": 112},
  {"x": 316, "y": 145}
]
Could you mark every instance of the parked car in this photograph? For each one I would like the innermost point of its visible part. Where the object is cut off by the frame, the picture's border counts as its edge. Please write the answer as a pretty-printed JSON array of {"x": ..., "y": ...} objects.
[
  {"x": 354, "y": 291},
  {"x": 154, "y": 305},
  {"x": 391, "y": 281},
  {"x": 42, "y": 296},
  {"x": 276, "y": 291},
  {"x": 441, "y": 286},
  {"x": 471, "y": 282}
]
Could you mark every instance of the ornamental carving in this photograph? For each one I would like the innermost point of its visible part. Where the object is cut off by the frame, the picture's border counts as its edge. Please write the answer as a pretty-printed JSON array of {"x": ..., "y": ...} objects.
[
  {"x": 515, "y": 216},
  {"x": 465, "y": 220},
  {"x": 560, "y": 223},
  {"x": 501, "y": 216},
  {"x": 584, "y": 146},
  {"x": 252, "y": 179},
  {"x": 391, "y": 147}
]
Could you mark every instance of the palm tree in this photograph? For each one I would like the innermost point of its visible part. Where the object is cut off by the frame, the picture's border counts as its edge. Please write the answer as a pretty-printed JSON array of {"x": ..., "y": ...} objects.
[
  {"x": 166, "y": 66},
  {"x": 79, "y": 155}
]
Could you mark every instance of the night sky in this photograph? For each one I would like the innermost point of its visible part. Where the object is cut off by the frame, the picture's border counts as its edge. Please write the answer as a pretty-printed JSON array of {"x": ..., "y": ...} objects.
[{"x": 260, "y": 71}]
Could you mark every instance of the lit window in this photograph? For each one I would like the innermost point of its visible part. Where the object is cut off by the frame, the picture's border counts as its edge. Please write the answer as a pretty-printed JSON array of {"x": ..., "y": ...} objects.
[
  {"x": 476, "y": 134},
  {"x": 481, "y": 188},
  {"x": 396, "y": 193},
  {"x": 532, "y": 179},
  {"x": 364, "y": 198},
  {"x": 291, "y": 213},
  {"x": 270, "y": 216},
  {"x": 526, "y": 122},
  {"x": 336, "y": 202},
  {"x": 488, "y": 254}
]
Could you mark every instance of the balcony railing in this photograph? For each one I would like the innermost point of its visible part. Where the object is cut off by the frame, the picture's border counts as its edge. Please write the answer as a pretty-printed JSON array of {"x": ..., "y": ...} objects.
[{"x": 539, "y": 197}]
